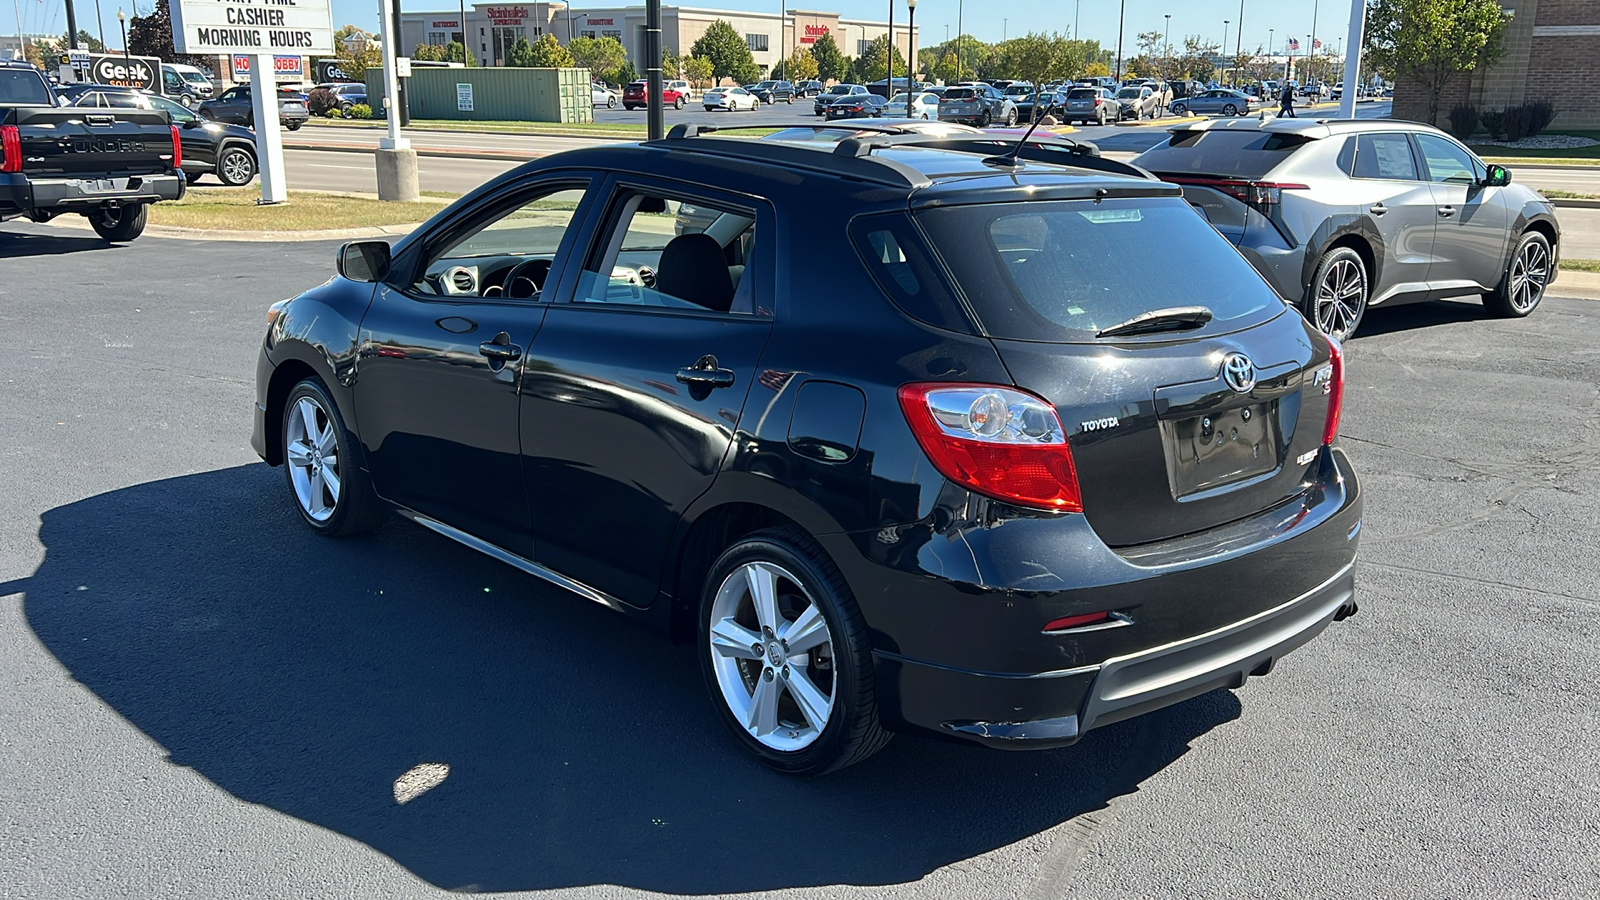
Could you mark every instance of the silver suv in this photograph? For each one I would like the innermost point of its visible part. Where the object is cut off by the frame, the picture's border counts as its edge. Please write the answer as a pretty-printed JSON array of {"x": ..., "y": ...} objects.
[{"x": 1342, "y": 214}]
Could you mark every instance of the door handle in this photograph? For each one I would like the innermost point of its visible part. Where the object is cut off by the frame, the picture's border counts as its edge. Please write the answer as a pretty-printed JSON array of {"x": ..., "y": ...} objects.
[
  {"x": 706, "y": 373},
  {"x": 1447, "y": 211},
  {"x": 1379, "y": 209},
  {"x": 498, "y": 351}
]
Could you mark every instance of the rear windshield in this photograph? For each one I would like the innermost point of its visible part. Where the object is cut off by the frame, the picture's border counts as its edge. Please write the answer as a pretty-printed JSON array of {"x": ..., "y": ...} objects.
[
  {"x": 23, "y": 87},
  {"x": 1082, "y": 94},
  {"x": 1233, "y": 154},
  {"x": 958, "y": 94},
  {"x": 1061, "y": 270}
]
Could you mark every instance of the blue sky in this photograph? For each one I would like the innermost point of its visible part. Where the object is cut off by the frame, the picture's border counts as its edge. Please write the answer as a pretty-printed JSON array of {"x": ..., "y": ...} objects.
[{"x": 1097, "y": 18}]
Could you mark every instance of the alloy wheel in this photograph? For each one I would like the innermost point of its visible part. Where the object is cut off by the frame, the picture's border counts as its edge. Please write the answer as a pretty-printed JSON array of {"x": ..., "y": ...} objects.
[
  {"x": 772, "y": 654},
  {"x": 237, "y": 167},
  {"x": 312, "y": 451},
  {"x": 1340, "y": 298},
  {"x": 1530, "y": 272}
]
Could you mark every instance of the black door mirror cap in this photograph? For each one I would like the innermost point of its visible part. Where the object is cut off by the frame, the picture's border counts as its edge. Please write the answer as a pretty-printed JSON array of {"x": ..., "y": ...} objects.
[
  {"x": 365, "y": 261},
  {"x": 1498, "y": 176}
]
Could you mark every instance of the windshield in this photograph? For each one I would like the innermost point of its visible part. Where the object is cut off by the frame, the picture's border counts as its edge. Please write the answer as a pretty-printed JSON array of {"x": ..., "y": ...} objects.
[
  {"x": 1043, "y": 271},
  {"x": 839, "y": 89},
  {"x": 23, "y": 87},
  {"x": 195, "y": 78},
  {"x": 1127, "y": 92},
  {"x": 766, "y": 86},
  {"x": 900, "y": 98}
]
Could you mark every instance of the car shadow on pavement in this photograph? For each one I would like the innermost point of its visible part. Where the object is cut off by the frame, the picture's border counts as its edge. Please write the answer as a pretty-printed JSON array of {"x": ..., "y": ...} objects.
[
  {"x": 17, "y": 244},
  {"x": 1426, "y": 314},
  {"x": 310, "y": 676}
]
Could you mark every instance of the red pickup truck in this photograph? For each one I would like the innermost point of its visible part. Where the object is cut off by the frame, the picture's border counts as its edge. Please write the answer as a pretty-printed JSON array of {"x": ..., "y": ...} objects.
[{"x": 673, "y": 93}]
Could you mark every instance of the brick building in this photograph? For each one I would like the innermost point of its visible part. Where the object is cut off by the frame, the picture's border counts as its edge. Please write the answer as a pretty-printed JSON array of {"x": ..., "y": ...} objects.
[{"x": 1552, "y": 52}]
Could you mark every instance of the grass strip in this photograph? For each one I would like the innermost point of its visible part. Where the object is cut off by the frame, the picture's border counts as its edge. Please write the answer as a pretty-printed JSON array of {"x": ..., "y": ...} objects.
[
  {"x": 575, "y": 129},
  {"x": 1568, "y": 195},
  {"x": 1581, "y": 265},
  {"x": 234, "y": 209}
]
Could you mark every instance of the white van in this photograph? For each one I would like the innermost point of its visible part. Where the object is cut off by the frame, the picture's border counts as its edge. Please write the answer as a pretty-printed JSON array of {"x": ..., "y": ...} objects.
[{"x": 186, "y": 84}]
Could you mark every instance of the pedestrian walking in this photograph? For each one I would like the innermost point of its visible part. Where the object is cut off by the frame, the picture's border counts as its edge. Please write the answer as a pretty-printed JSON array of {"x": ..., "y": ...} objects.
[{"x": 1286, "y": 102}]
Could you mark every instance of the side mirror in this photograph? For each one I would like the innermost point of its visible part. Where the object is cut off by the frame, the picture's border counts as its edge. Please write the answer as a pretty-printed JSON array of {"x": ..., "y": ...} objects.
[
  {"x": 364, "y": 260},
  {"x": 1499, "y": 176},
  {"x": 191, "y": 122}
]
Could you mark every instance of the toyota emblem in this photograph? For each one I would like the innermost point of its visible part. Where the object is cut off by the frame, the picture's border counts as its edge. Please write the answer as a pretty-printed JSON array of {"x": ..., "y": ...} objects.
[{"x": 1239, "y": 372}]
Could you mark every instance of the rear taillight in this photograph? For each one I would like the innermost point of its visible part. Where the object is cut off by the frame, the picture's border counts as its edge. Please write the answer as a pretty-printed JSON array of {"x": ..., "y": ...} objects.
[
  {"x": 1261, "y": 195},
  {"x": 1333, "y": 388},
  {"x": 997, "y": 441},
  {"x": 177, "y": 148},
  {"x": 10, "y": 149}
]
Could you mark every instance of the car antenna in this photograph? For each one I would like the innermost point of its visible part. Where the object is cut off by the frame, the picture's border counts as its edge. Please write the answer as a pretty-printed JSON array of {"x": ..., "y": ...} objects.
[{"x": 1009, "y": 160}]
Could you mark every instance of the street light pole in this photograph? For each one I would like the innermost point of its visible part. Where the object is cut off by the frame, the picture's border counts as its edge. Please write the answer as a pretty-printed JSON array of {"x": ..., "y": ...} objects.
[
  {"x": 889, "y": 84},
  {"x": 959, "y": 5},
  {"x": 911, "y": 39},
  {"x": 1238, "y": 39},
  {"x": 122, "y": 22},
  {"x": 100, "y": 24},
  {"x": 1122, "y": 16},
  {"x": 1168, "y": 41}
]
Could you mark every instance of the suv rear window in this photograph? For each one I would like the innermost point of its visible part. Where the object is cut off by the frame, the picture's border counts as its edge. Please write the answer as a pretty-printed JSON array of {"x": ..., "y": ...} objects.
[
  {"x": 23, "y": 87},
  {"x": 1224, "y": 153},
  {"x": 958, "y": 94},
  {"x": 1082, "y": 94},
  {"x": 1059, "y": 271}
]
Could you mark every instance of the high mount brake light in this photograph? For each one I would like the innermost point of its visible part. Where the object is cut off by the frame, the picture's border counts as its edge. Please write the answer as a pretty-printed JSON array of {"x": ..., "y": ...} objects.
[
  {"x": 996, "y": 441},
  {"x": 177, "y": 148},
  {"x": 10, "y": 149},
  {"x": 1334, "y": 389}
]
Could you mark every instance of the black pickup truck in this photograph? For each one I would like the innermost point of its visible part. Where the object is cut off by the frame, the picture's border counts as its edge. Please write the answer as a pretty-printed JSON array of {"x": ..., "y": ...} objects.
[{"x": 107, "y": 165}]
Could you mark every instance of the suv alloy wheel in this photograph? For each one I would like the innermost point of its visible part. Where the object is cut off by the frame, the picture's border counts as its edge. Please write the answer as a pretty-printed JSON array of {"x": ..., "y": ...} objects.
[
  {"x": 1526, "y": 276},
  {"x": 1338, "y": 297}
]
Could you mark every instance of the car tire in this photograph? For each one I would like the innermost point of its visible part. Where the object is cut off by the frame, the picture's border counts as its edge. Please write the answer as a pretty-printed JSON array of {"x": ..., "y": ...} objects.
[
  {"x": 1230, "y": 110},
  {"x": 236, "y": 166},
  {"x": 748, "y": 665},
  {"x": 755, "y": 105},
  {"x": 120, "y": 225},
  {"x": 1011, "y": 117},
  {"x": 628, "y": 106},
  {"x": 678, "y": 103},
  {"x": 1337, "y": 300},
  {"x": 790, "y": 101},
  {"x": 187, "y": 100},
  {"x": 710, "y": 108},
  {"x": 611, "y": 103},
  {"x": 985, "y": 120},
  {"x": 208, "y": 115},
  {"x": 293, "y": 126},
  {"x": 1527, "y": 275},
  {"x": 1178, "y": 109},
  {"x": 313, "y": 432},
  {"x": 344, "y": 110}
]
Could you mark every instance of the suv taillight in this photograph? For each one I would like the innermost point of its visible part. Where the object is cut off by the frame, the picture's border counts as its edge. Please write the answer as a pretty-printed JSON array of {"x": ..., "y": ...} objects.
[
  {"x": 1260, "y": 195},
  {"x": 1333, "y": 388},
  {"x": 177, "y": 148},
  {"x": 997, "y": 441},
  {"x": 10, "y": 149}
]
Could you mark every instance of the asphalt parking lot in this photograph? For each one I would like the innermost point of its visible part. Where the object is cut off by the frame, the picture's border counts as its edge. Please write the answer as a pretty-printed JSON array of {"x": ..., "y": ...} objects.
[{"x": 202, "y": 700}]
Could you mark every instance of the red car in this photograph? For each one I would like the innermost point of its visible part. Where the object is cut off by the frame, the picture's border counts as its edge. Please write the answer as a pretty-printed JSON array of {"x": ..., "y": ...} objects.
[{"x": 673, "y": 93}]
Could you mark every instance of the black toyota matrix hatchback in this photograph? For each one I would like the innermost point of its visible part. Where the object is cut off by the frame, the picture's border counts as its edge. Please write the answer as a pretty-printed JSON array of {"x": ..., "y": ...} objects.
[{"x": 965, "y": 478}]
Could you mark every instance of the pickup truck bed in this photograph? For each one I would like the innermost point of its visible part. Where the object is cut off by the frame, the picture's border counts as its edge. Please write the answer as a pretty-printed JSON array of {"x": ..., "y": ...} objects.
[{"x": 106, "y": 165}]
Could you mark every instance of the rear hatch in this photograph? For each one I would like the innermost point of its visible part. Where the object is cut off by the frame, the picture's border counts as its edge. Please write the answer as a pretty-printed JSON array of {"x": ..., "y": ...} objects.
[
  {"x": 74, "y": 141},
  {"x": 1082, "y": 100},
  {"x": 961, "y": 102},
  {"x": 1227, "y": 174},
  {"x": 291, "y": 104},
  {"x": 1164, "y": 445}
]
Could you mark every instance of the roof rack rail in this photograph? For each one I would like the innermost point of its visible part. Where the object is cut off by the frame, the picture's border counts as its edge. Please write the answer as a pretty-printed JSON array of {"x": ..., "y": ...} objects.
[
  {"x": 874, "y": 169},
  {"x": 1064, "y": 152}
]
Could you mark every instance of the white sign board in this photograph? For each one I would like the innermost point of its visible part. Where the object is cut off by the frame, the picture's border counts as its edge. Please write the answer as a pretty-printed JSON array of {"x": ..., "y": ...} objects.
[
  {"x": 464, "y": 97},
  {"x": 402, "y": 67},
  {"x": 252, "y": 26}
]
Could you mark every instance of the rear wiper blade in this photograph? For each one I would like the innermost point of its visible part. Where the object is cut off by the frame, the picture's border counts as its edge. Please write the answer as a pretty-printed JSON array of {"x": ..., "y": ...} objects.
[{"x": 1177, "y": 318}]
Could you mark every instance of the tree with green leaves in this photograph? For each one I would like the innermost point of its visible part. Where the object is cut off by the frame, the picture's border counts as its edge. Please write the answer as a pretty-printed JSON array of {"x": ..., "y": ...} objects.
[
  {"x": 699, "y": 71},
  {"x": 356, "y": 51},
  {"x": 1195, "y": 61},
  {"x": 152, "y": 36},
  {"x": 545, "y": 53},
  {"x": 1434, "y": 41},
  {"x": 602, "y": 56},
  {"x": 671, "y": 66},
  {"x": 1037, "y": 57},
  {"x": 831, "y": 64},
  {"x": 86, "y": 41},
  {"x": 800, "y": 66},
  {"x": 455, "y": 51},
  {"x": 873, "y": 65},
  {"x": 729, "y": 54}
]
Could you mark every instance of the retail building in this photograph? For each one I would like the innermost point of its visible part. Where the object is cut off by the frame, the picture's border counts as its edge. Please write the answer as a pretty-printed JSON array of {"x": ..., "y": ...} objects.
[{"x": 493, "y": 29}]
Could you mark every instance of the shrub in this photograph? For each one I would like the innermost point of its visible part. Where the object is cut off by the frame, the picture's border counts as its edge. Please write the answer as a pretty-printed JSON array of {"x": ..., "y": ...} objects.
[
  {"x": 1517, "y": 120},
  {"x": 360, "y": 111},
  {"x": 1463, "y": 120},
  {"x": 318, "y": 101},
  {"x": 333, "y": 112},
  {"x": 1540, "y": 115},
  {"x": 1494, "y": 122}
]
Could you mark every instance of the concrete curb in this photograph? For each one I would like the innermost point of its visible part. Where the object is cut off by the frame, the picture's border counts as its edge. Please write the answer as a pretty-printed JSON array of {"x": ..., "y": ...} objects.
[
  {"x": 1156, "y": 123},
  {"x": 423, "y": 129},
  {"x": 1572, "y": 203},
  {"x": 438, "y": 152},
  {"x": 175, "y": 232},
  {"x": 1577, "y": 285}
]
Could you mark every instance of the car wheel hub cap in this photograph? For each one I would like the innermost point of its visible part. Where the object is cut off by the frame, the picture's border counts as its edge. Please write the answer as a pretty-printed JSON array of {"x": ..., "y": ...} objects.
[
  {"x": 1529, "y": 274},
  {"x": 312, "y": 452},
  {"x": 1340, "y": 298},
  {"x": 772, "y": 654}
]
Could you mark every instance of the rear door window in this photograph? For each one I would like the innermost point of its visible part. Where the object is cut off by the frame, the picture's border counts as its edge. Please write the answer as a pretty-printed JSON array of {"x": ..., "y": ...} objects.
[
  {"x": 1385, "y": 156},
  {"x": 1060, "y": 271}
]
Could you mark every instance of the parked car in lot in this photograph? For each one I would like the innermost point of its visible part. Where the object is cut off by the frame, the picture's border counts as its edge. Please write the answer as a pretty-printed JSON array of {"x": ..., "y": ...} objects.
[
  {"x": 950, "y": 517},
  {"x": 1343, "y": 215},
  {"x": 600, "y": 95},
  {"x": 1224, "y": 102},
  {"x": 977, "y": 104},
  {"x": 826, "y": 98},
  {"x": 346, "y": 94},
  {"x": 773, "y": 92},
  {"x": 228, "y": 151},
  {"x": 1091, "y": 105},
  {"x": 731, "y": 99},
  {"x": 107, "y": 166},
  {"x": 808, "y": 89},
  {"x": 234, "y": 107},
  {"x": 861, "y": 128},
  {"x": 923, "y": 106},
  {"x": 186, "y": 84},
  {"x": 674, "y": 93},
  {"x": 1137, "y": 101},
  {"x": 856, "y": 106}
]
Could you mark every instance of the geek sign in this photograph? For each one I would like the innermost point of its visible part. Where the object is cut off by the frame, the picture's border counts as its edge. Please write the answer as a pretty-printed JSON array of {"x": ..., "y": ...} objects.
[
  {"x": 142, "y": 72},
  {"x": 252, "y": 26}
]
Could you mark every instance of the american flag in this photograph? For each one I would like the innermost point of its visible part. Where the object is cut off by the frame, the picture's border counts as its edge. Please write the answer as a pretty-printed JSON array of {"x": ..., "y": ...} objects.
[
  {"x": 1316, "y": 45},
  {"x": 1294, "y": 44}
]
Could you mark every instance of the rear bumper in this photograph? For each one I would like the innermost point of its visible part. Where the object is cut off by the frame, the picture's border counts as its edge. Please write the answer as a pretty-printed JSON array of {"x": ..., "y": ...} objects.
[
  {"x": 957, "y": 613},
  {"x": 18, "y": 191}
]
